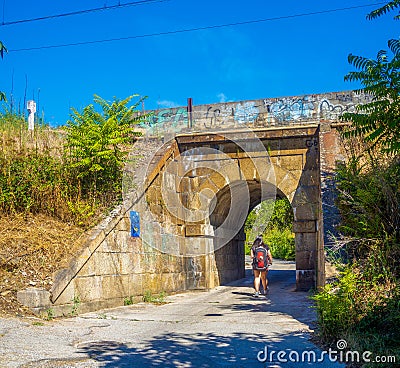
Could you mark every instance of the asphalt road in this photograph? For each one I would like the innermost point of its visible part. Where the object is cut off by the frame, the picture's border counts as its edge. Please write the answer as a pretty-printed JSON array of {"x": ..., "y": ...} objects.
[{"x": 224, "y": 327}]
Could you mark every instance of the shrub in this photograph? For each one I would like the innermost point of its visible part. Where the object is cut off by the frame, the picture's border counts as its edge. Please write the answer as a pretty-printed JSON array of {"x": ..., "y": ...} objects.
[
  {"x": 274, "y": 220},
  {"x": 73, "y": 173},
  {"x": 281, "y": 243},
  {"x": 336, "y": 306}
]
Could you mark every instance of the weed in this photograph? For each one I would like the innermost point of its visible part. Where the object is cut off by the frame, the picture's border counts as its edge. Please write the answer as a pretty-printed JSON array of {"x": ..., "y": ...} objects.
[
  {"x": 49, "y": 314},
  {"x": 148, "y": 297},
  {"x": 128, "y": 300},
  {"x": 76, "y": 304}
]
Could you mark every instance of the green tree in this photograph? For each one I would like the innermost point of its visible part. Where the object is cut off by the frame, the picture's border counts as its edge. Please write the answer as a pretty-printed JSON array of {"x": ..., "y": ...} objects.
[
  {"x": 385, "y": 9},
  {"x": 96, "y": 144},
  {"x": 273, "y": 219},
  {"x": 378, "y": 121}
]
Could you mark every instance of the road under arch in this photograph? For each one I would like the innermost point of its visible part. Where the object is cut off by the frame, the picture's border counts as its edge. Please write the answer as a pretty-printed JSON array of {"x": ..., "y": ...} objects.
[{"x": 206, "y": 184}]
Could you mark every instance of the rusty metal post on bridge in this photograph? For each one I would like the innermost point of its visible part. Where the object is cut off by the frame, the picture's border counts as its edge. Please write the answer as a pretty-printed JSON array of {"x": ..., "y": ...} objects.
[{"x": 190, "y": 112}]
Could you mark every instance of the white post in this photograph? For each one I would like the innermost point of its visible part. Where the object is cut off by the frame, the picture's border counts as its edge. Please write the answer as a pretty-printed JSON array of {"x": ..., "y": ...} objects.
[{"x": 31, "y": 106}]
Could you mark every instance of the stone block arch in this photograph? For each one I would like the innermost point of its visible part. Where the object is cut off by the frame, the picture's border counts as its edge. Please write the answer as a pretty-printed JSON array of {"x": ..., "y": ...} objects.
[{"x": 213, "y": 175}]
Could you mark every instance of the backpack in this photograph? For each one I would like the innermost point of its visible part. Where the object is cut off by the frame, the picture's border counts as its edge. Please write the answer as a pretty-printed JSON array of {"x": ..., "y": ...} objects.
[{"x": 260, "y": 260}]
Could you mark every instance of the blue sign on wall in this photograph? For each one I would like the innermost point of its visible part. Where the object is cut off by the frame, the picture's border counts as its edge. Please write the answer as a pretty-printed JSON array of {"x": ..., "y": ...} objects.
[{"x": 135, "y": 224}]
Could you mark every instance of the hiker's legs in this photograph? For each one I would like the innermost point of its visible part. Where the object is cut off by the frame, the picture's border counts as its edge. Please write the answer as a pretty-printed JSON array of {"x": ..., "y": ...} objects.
[
  {"x": 257, "y": 280},
  {"x": 264, "y": 280}
]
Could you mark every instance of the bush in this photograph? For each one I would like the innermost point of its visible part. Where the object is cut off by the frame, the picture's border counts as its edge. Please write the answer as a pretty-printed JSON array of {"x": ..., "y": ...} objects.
[
  {"x": 274, "y": 220},
  {"x": 73, "y": 173},
  {"x": 281, "y": 243},
  {"x": 336, "y": 306},
  {"x": 363, "y": 306}
]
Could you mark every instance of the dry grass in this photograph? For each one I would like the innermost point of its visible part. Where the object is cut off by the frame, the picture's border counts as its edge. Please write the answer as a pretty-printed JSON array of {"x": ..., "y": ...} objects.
[
  {"x": 31, "y": 249},
  {"x": 15, "y": 139}
]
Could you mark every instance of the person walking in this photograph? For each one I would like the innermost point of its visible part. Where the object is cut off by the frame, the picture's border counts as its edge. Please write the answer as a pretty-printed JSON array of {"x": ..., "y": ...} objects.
[{"x": 262, "y": 259}]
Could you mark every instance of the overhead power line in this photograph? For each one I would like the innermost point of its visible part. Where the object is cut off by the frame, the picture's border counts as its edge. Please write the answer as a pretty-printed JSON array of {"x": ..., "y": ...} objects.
[
  {"x": 78, "y": 12},
  {"x": 194, "y": 29}
]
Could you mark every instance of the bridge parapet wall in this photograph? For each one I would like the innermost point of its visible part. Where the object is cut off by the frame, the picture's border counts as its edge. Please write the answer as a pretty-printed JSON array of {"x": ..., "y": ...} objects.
[{"x": 262, "y": 113}]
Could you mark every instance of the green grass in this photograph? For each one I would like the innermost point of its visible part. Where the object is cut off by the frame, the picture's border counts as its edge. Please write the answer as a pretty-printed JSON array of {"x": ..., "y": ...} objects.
[{"x": 148, "y": 297}]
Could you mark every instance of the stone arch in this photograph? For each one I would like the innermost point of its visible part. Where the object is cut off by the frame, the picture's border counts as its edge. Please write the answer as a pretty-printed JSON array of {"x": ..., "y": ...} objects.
[
  {"x": 292, "y": 171},
  {"x": 229, "y": 259}
]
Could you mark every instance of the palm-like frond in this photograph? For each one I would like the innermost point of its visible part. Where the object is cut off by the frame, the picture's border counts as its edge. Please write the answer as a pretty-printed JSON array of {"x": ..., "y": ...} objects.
[
  {"x": 378, "y": 121},
  {"x": 95, "y": 140},
  {"x": 2, "y": 49},
  {"x": 394, "y": 4},
  {"x": 394, "y": 46}
]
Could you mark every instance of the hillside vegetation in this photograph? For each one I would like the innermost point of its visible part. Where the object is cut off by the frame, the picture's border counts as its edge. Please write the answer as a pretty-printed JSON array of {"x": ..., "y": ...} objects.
[
  {"x": 363, "y": 305},
  {"x": 55, "y": 184}
]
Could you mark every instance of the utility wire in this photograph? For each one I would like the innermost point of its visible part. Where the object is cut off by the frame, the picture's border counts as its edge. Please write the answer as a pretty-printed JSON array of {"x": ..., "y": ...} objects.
[
  {"x": 78, "y": 12},
  {"x": 194, "y": 29}
]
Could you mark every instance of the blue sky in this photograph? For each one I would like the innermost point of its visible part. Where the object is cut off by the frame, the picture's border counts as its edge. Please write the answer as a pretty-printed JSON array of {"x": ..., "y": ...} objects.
[{"x": 283, "y": 57}]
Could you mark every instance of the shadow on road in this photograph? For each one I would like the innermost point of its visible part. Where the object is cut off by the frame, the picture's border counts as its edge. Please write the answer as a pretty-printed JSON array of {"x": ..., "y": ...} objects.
[
  {"x": 282, "y": 297},
  {"x": 213, "y": 349},
  {"x": 200, "y": 350}
]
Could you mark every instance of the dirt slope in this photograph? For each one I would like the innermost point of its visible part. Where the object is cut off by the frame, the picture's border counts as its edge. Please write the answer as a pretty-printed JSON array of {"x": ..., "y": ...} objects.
[{"x": 31, "y": 249}]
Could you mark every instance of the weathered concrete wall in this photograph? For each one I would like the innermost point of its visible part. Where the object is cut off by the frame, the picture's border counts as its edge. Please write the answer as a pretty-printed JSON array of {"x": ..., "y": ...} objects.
[
  {"x": 113, "y": 267},
  {"x": 118, "y": 267},
  {"x": 267, "y": 112},
  {"x": 332, "y": 152}
]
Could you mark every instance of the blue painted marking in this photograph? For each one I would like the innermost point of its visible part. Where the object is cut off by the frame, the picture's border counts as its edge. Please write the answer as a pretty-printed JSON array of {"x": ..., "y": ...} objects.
[{"x": 135, "y": 224}]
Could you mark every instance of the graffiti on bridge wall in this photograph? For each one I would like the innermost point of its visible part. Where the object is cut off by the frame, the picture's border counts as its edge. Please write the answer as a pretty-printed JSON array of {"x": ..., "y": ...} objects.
[
  {"x": 246, "y": 113},
  {"x": 329, "y": 111},
  {"x": 229, "y": 115},
  {"x": 217, "y": 116},
  {"x": 286, "y": 109},
  {"x": 167, "y": 119},
  {"x": 266, "y": 112}
]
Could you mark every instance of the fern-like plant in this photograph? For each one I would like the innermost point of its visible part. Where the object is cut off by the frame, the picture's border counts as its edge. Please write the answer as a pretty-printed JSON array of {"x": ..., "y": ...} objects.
[
  {"x": 378, "y": 121},
  {"x": 391, "y": 5}
]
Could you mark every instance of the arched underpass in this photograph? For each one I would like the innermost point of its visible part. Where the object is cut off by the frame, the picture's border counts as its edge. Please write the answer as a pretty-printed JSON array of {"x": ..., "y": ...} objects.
[
  {"x": 208, "y": 183},
  {"x": 234, "y": 267},
  {"x": 183, "y": 229}
]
